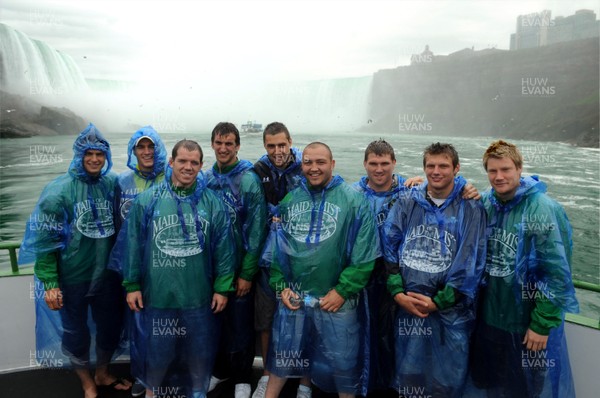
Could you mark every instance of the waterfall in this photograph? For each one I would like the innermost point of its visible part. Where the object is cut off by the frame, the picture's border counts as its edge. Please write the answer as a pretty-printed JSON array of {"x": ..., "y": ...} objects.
[
  {"x": 32, "y": 67},
  {"x": 321, "y": 105}
]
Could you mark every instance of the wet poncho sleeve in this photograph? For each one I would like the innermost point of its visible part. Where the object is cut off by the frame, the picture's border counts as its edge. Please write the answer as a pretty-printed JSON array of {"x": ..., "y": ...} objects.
[
  {"x": 255, "y": 219},
  {"x": 392, "y": 239},
  {"x": 222, "y": 249},
  {"x": 46, "y": 269},
  {"x": 549, "y": 234},
  {"x": 364, "y": 237},
  {"x": 134, "y": 234}
]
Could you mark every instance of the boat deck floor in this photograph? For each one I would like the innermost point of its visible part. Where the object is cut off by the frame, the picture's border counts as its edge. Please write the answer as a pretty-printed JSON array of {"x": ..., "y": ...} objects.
[{"x": 48, "y": 383}]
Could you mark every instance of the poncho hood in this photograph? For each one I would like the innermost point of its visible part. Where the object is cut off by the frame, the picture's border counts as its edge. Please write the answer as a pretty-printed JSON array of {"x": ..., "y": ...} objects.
[
  {"x": 89, "y": 139},
  {"x": 160, "y": 153}
]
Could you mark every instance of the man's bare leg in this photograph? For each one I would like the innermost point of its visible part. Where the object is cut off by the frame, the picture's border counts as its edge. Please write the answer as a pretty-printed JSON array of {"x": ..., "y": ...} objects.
[
  {"x": 274, "y": 386},
  {"x": 345, "y": 395},
  {"x": 87, "y": 382},
  {"x": 264, "y": 348}
]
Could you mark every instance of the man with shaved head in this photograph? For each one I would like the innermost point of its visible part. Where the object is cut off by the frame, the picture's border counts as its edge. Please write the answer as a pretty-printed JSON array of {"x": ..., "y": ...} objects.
[{"x": 323, "y": 251}]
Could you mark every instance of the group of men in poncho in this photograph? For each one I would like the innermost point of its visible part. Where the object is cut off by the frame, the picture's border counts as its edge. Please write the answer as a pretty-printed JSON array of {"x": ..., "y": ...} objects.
[{"x": 476, "y": 290}]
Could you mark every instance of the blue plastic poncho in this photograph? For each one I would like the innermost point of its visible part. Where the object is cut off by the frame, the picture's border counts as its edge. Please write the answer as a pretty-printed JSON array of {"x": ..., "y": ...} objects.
[
  {"x": 326, "y": 240},
  {"x": 69, "y": 235},
  {"x": 175, "y": 247},
  {"x": 527, "y": 286},
  {"x": 381, "y": 305},
  {"x": 438, "y": 252},
  {"x": 240, "y": 189},
  {"x": 276, "y": 184},
  {"x": 133, "y": 181}
]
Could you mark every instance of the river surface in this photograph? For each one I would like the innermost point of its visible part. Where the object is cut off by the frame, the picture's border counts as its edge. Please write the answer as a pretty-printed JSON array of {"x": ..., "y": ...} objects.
[{"x": 571, "y": 173}]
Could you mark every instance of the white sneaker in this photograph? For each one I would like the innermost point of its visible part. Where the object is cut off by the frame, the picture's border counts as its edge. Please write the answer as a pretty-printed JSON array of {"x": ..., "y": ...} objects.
[
  {"x": 243, "y": 390},
  {"x": 214, "y": 382},
  {"x": 261, "y": 387},
  {"x": 304, "y": 392}
]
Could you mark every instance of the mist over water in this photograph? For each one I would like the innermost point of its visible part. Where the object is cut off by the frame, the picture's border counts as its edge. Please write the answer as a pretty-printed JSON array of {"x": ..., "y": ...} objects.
[{"x": 174, "y": 103}]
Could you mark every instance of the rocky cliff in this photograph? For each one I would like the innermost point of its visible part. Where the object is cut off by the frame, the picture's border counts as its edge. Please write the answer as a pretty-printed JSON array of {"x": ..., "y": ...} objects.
[
  {"x": 23, "y": 117},
  {"x": 546, "y": 94}
]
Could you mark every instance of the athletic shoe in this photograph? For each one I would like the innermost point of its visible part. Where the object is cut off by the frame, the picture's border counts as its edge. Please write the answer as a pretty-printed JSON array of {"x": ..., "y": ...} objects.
[
  {"x": 304, "y": 392},
  {"x": 243, "y": 390},
  {"x": 261, "y": 387},
  {"x": 214, "y": 382},
  {"x": 137, "y": 389}
]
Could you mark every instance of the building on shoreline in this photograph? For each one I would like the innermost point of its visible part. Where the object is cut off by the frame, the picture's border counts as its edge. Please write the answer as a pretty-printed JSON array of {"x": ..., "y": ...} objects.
[{"x": 539, "y": 29}]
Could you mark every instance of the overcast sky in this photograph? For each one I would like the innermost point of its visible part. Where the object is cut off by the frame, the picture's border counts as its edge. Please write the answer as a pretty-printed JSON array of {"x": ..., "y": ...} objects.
[{"x": 262, "y": 40}]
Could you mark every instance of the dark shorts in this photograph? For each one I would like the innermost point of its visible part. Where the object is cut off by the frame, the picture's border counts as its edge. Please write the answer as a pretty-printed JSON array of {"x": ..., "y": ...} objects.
[
  {"x": 105, "y": 304},
  {"x": 264, "y": 309}
]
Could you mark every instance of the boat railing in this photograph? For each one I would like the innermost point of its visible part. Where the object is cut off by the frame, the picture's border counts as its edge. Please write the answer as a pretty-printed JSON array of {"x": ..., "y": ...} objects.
[{"x": 574, "y": 318}]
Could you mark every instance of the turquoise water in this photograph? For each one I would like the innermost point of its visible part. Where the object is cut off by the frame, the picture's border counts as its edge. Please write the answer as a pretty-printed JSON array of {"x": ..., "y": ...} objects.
[{"x": 572, "y": 175}]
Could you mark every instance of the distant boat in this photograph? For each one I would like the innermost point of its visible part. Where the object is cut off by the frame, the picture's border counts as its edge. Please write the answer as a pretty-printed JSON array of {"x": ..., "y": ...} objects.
[{"x": 252, "y": 127}]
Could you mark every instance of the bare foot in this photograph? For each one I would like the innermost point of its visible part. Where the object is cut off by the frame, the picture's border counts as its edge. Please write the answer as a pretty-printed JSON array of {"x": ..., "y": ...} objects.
[
  {"x": 90, "y": 392},
  {"x": 108, "y": 380}
]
